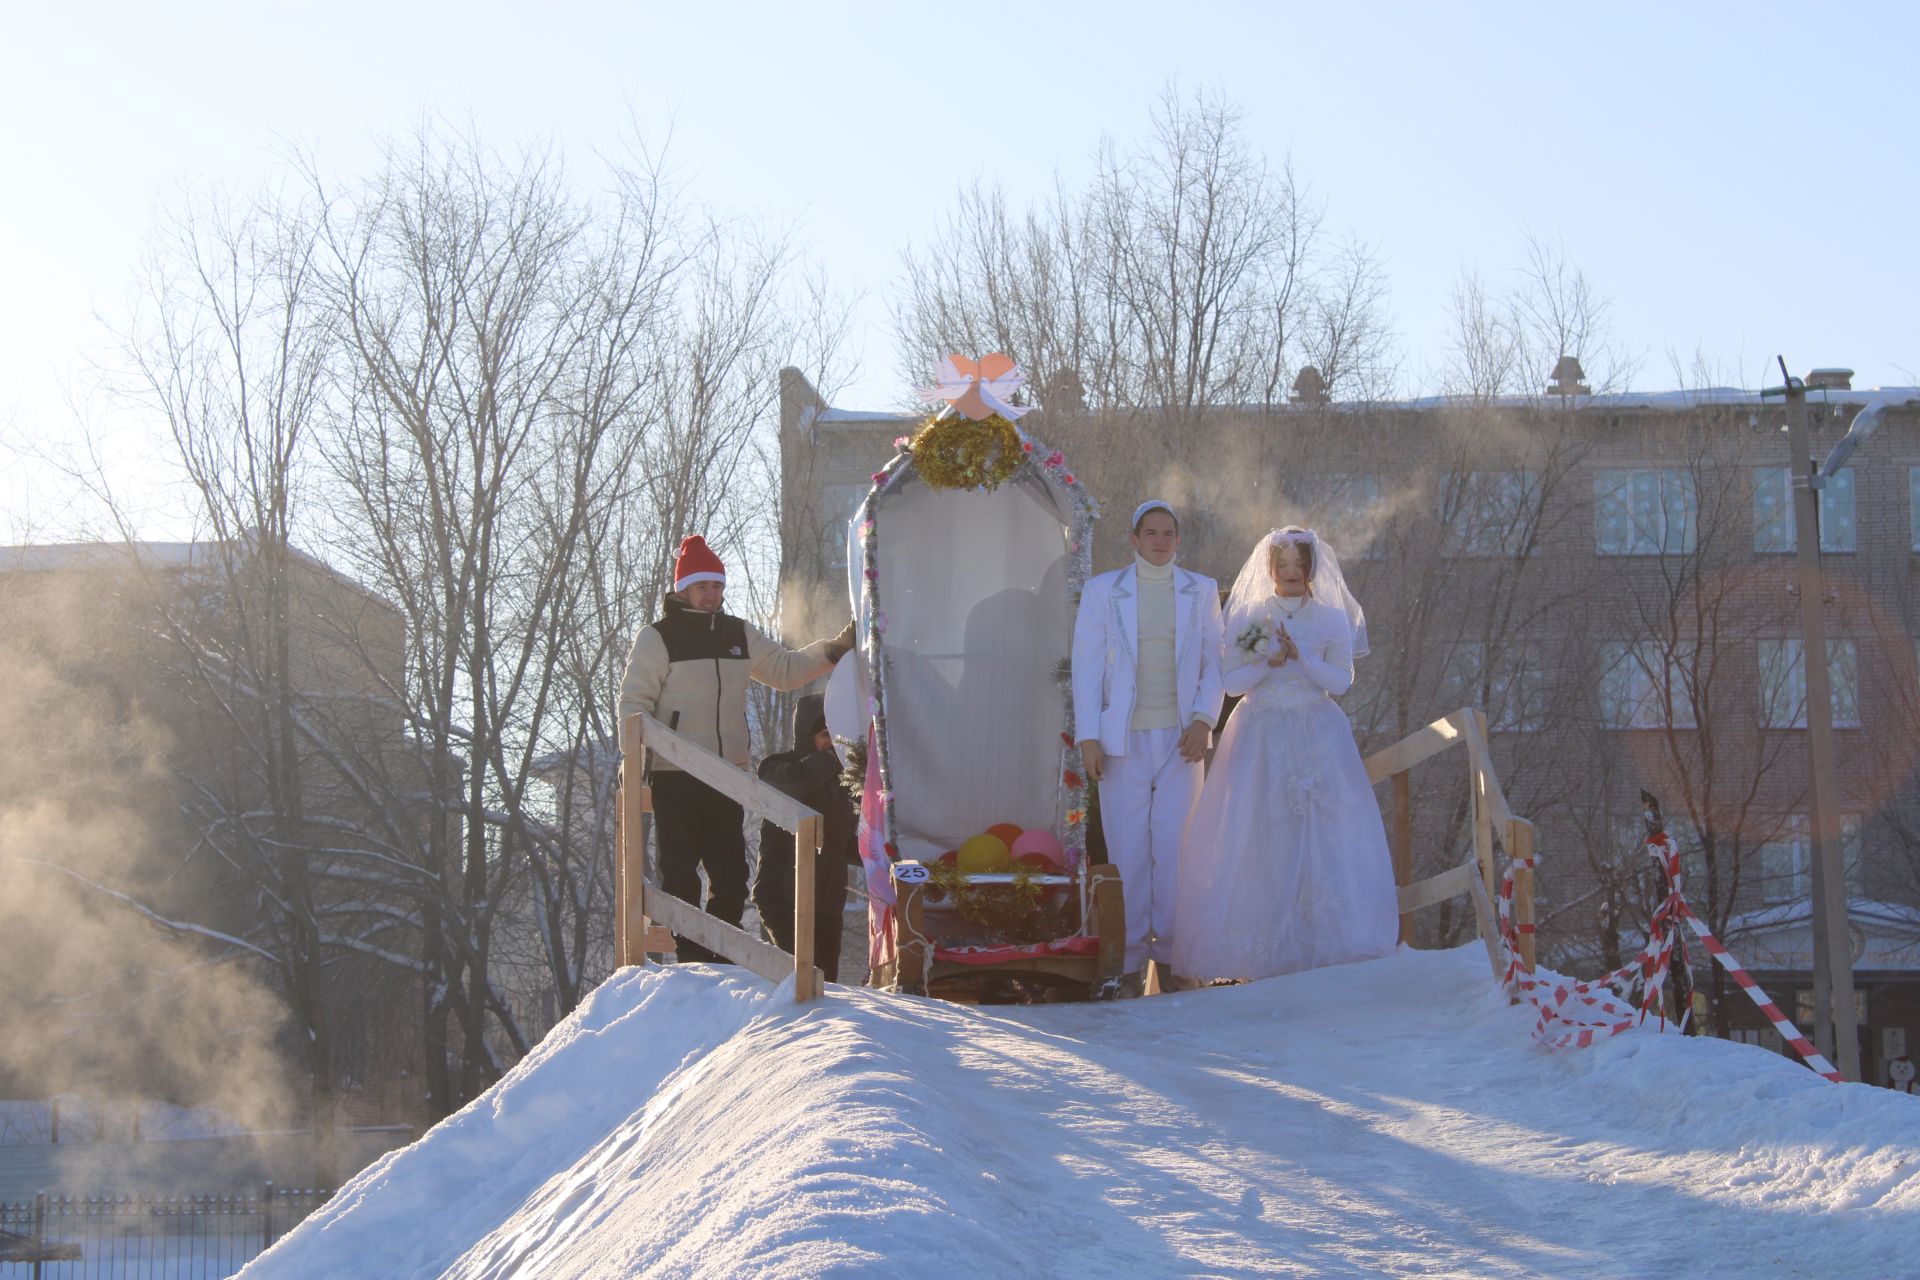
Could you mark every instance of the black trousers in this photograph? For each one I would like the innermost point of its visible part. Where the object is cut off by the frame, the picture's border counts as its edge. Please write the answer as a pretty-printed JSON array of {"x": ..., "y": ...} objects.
[
  {"x": 773, "y": 895},
  {"x": 698, "y": 827}
]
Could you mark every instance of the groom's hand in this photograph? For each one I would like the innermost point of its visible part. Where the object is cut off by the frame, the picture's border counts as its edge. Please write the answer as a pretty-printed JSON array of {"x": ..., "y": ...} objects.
[
  {"x": 1092, "y": 759},
  {"x": 1193, "y": 743}
]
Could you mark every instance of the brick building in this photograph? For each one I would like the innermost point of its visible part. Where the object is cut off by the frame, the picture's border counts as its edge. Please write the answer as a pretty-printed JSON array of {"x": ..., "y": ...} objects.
[{"x": 1610, "y": 578}]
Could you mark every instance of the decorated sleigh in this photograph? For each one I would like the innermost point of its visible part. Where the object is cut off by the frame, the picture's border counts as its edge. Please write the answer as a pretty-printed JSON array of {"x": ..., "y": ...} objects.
[{"x": 965, "y": 563}]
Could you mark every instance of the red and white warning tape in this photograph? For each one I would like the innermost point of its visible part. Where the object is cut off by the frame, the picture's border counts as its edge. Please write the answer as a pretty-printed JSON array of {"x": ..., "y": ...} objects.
[{"x": 1574, "y": 1014}]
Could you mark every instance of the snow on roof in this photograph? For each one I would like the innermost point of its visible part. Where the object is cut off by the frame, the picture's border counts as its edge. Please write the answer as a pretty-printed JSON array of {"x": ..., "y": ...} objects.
[
  {"x": 832, "y": 417},
  {"x": 1672, "y": 401},
  {"x": 1887, "y": 915},
  {"x": 1364, "y": 1119},
  {"x": 62, "y": 557},
  {"x": 1667, "y": 401},
  {"x": 59, "y": 557}
]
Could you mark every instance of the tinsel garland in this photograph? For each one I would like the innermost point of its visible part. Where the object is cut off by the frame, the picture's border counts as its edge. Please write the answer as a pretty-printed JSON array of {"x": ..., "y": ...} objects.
[
  {"x": 959, "y": 453},
  {"x": 853, "y": 774},
  {"x": 1017, "y": 912}
]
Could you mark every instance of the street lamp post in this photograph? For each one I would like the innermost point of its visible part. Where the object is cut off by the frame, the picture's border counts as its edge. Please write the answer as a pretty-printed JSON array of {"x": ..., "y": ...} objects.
[{"x": 1835, "y": 1016}]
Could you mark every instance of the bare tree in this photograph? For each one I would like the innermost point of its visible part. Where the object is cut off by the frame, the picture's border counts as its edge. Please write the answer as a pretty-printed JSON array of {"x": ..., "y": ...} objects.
[
  {"x": 1344, "y": 334},
  {"x": 1486, "y": 346},
  {"x": 1174, "y": 282},
  {"x": 1201, "y": 250},
  {"x": 485, "y": 382},
  {"x": 1680, "y": 705},
  {"x": 1457, "y": 555},
  {"x": 231, "y": 353}
]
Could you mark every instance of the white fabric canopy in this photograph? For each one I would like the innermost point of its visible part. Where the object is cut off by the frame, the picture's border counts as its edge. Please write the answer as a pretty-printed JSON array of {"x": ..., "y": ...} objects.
[{"x": 973, "y": 587}]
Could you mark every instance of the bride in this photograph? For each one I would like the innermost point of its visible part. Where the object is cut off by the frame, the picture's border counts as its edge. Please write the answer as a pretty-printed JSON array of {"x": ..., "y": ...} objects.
[{"x": 1285, "y": 863}]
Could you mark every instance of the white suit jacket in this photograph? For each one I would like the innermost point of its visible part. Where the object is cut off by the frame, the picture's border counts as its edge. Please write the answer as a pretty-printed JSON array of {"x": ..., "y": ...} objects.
[{"x": 1106, "y": 635}]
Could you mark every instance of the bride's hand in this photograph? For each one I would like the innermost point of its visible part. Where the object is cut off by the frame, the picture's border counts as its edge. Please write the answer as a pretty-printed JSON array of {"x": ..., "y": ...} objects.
[{"x": 1284, "y": 650}]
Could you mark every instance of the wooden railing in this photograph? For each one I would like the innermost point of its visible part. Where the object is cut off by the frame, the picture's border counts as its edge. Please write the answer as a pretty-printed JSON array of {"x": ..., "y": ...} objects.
[
  {"x": 1493, "y": 822},
  {"x": 646, "y": 916}
]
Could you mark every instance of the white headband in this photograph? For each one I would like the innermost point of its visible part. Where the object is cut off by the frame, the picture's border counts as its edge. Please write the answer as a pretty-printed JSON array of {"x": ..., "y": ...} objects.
[{"x": 1152, "y": 504}]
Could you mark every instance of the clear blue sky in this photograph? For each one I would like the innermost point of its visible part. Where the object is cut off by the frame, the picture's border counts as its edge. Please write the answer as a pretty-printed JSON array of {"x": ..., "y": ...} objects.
[{"x": 1739, "y": 179}]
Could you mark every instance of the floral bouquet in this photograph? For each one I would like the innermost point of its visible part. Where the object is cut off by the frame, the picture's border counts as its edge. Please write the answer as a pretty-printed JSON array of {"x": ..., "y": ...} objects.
[{"x": 1256, "y": 641}]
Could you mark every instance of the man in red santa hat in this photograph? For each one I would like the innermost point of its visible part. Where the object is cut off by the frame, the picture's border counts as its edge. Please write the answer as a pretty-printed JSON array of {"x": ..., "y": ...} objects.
[{"x": 690, "y": 670}]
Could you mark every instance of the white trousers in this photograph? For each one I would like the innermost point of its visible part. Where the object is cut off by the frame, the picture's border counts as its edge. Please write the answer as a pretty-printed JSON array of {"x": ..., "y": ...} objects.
[{"x": 1146, "y": 797}]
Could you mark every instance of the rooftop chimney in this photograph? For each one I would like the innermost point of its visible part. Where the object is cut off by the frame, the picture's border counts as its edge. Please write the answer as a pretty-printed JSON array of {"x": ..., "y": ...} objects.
[
  {"x": 1567, "y": 377},
  {"x": 1310, "y": 387},
  {"x": 1064, "y": 392},
  {"x": 1830, "y": 380}
]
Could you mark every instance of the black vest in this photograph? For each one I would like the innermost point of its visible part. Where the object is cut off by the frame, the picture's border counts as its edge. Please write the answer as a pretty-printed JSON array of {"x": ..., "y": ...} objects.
[{"x": 692, "y": 635}]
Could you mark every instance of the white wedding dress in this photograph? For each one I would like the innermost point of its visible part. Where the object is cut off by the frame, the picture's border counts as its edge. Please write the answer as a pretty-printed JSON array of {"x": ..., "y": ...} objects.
[{"x": 1285, "y": 864}]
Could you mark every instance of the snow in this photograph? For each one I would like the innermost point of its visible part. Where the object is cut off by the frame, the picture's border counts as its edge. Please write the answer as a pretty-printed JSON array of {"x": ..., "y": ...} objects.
[
  {"x": 1668, "y": 401},
  {"x": 71, "y": 557},
  {"x": 812, "y": 419},
  {"x": 1675, "y": 401},
  {"x": 1390, "y": 1118}
]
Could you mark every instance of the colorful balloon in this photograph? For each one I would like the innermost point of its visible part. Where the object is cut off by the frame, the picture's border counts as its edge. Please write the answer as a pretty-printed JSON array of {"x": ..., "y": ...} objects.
[
  {"x": 1008, "y": 832},
  {"x": 1040, "y": 848},
  {"x": 984, "y": 853}
]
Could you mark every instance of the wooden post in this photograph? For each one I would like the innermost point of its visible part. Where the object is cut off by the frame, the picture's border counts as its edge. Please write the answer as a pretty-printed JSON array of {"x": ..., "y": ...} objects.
[
  {"x": 1520, "y": 847},
  {"x": 620, "y": 869},
  {"x": 806, "y": 860},
  {"x": 1403, "y": 843},
  {"x": 913, "y": 951},
  {"x": 1477, "y": 766},
  {"x": 1110, "y": 912},
  {"x": 632, "y": 925},
  {"x": 1489, "y": 924}
]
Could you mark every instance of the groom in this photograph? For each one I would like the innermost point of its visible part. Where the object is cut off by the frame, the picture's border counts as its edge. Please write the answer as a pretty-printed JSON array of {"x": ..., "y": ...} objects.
[{"x": 1146, "y": 695}]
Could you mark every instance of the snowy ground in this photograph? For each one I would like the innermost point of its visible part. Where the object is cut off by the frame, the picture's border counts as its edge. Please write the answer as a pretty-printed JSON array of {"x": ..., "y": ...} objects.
[{"x": 1391, "y": 1118}]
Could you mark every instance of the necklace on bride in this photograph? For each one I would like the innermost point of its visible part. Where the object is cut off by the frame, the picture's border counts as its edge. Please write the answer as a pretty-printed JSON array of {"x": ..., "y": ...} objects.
[{"x": 1290, "y": 605}]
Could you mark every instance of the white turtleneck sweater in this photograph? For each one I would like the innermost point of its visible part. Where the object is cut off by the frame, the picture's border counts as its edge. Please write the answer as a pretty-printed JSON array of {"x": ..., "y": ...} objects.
[{"x": 1157, "y": 696}]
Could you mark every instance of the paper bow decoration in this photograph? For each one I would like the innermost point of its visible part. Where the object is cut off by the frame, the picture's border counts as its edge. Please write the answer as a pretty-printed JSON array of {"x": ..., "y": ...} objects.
[{"x": 978, "y": 388}]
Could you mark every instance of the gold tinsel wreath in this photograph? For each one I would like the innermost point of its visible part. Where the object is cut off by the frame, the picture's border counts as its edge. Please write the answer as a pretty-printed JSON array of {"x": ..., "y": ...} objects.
[
  {"x": 959, "y": 453},
  {"x": 1017, "y": 912}
]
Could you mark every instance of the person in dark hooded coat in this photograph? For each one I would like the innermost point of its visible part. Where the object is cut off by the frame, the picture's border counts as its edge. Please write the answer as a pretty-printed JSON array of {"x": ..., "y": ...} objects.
[{"x": 810, "y": 773}]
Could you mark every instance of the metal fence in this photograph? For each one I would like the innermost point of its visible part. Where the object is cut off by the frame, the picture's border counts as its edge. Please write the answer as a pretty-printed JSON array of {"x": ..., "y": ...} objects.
[{"x": 145, "y": 1237}]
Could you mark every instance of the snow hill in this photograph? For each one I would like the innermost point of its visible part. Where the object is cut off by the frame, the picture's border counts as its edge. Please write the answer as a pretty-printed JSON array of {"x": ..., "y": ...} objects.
[{"x": 1390, "y": 1118}]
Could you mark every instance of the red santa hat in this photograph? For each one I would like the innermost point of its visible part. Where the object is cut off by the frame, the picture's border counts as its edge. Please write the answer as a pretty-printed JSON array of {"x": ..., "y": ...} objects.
[{"x": 696, "y": 563}]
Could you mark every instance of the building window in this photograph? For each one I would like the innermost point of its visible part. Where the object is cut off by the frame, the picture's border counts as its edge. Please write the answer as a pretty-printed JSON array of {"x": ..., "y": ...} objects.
[
  {"x": 1346, "y": 507},
  {"x": 1803, "y": 1006},
  {"x": 1773, "y": 527},
  {"x": 1786, "y": 861},
  {"x": 1489, "y": 513},
  {"x": 1643, "y": 685},
  {"x": 838, "y": 503},
  {"x": 1783, "y": 683},
  {"x": 1644, "y": 512},
  {"x": 1511, "y": 693}
]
